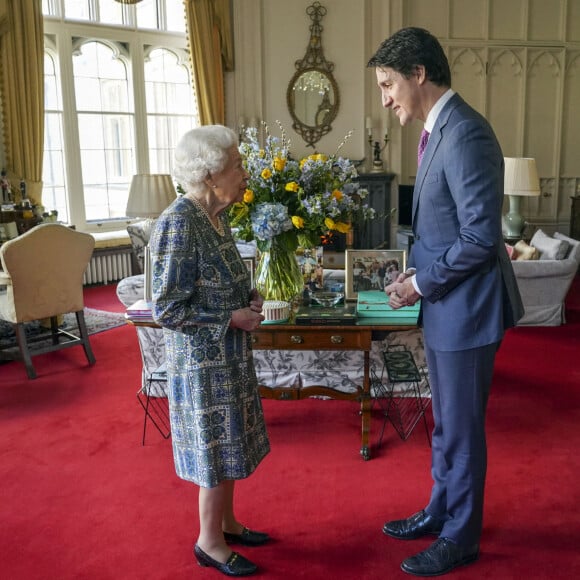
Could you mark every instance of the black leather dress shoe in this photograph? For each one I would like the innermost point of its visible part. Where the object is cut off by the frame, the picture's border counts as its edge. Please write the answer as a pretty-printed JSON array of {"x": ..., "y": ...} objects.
[
  {"x": 236, "y": 565},
  {"x": 247, "y": 538},
  {"x": 417, "y": 526},
  {"x": 439, "y": 558}
]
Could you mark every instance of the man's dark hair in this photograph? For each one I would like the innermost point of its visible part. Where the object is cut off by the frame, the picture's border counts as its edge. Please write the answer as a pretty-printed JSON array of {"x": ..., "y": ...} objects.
[{"x": 410, "y": 47}]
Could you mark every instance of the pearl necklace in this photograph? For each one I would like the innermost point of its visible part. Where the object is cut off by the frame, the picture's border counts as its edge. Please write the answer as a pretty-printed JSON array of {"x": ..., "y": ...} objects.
[{"x": 219, "y": 228}]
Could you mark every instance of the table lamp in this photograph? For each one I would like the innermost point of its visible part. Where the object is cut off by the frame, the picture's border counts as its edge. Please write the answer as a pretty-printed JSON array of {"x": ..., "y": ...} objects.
[
  {"x": 149, "y": 195},
  {"x": 521, "y": 180}
]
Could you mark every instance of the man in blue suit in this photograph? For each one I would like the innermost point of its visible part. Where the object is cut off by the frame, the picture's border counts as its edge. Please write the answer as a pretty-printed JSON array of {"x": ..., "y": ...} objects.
[{"x": 460, "y": 268}]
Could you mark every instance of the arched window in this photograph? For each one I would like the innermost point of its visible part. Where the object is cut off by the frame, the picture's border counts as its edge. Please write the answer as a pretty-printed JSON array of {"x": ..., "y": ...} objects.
[{"x": 118, "y": 97}]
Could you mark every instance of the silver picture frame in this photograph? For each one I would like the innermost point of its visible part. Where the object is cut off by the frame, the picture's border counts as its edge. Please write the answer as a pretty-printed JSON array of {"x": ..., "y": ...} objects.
[{"x": 372, "y": 269}]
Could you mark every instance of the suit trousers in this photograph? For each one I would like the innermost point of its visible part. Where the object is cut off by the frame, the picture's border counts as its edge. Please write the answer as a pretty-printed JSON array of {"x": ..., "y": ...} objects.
[{"x": 460, "y": 383}]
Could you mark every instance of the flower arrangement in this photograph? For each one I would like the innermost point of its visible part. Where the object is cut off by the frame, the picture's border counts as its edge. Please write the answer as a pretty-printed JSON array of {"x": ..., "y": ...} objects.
[{"x": 295, "y": 203}]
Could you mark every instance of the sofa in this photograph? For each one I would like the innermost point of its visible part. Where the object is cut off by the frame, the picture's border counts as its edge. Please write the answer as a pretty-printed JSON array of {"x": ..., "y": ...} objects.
[{"x": 544, "y": 271}]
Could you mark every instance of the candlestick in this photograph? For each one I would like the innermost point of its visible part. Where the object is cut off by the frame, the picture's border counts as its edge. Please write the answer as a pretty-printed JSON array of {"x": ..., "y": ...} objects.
[{"x": 377, "y": 166}]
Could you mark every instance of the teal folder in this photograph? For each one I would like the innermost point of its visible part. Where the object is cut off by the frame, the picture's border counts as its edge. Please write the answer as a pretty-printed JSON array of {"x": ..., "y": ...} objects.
[{"x": 375, "y": 304}]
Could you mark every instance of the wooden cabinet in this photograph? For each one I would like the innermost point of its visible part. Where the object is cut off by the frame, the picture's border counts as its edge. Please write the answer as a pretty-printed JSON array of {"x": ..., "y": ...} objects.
[{"x": 375, "y": 233}]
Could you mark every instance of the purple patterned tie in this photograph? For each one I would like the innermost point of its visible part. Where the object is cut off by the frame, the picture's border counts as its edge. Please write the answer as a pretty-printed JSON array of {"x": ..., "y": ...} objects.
[{"x": 422, "y": 145}]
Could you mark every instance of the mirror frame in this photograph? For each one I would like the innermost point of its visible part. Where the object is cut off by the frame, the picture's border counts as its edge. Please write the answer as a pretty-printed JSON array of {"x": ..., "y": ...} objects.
[{"x": 313, "y": 60}]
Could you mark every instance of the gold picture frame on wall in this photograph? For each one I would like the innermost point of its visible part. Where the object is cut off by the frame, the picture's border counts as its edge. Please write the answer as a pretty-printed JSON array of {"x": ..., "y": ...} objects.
[{"x": 372, "y": 269}]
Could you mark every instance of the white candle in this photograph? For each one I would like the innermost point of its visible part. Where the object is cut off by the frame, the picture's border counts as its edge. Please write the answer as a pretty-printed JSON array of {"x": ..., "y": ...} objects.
[{"x": 369, "y": 125}]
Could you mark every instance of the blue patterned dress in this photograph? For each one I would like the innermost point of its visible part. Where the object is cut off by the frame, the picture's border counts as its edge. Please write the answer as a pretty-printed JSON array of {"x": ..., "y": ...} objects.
[{"x": 198, "y": 278}]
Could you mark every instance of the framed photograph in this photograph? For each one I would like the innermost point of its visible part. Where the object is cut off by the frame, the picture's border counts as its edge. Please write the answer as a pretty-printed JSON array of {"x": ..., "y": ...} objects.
[
  {"x": 251, "y": 266},
  {"x": 372, "y": 269},
  {"x": 310, "y": 263}
]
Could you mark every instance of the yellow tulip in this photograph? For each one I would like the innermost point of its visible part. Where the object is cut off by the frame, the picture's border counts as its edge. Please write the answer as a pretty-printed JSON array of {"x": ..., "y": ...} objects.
[
  {"x": 266, "y": 173},
  {"x": 329, "y": 223},
  {"x": 298, "y": 222},
  {"x": 248, "y": 196},
  {"x": 292, "y": 186},
  {"x": 342, "y": 227},
  {"x": 279, "y": 163}
]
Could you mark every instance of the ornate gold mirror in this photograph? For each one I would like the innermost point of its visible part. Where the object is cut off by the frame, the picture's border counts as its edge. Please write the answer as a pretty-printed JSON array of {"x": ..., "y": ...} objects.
[{"x": 312, "y": 94}]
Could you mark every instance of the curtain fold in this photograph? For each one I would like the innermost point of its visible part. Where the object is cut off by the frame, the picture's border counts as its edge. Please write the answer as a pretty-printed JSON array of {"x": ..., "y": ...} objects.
[
  {"x": 211, "y": 52},
  {"x": 22, "y": 93}
]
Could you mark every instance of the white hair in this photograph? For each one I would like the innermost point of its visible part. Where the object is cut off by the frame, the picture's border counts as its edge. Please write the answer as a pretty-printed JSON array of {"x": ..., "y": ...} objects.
[{"x": 201, "y": 152}]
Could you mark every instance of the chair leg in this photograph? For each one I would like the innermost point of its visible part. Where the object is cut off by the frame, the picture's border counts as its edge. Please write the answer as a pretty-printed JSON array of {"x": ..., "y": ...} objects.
[
  {"x": 24, "y": 350},
  {"x": 54, "y": 329},
  {"x": 85, "y": 337}
]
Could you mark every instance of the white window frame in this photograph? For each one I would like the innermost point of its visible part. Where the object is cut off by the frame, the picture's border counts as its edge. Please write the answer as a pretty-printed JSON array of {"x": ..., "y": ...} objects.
[{"x": 60, "y": 37}]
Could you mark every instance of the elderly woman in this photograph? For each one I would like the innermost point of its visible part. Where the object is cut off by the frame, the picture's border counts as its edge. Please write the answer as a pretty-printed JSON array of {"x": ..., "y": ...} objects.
[{"x": 203, "y": 300}]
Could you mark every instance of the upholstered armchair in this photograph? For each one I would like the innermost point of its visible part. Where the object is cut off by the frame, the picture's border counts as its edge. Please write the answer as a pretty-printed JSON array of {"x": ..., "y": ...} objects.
[
  {"x": 42, "y": 278},
  {"x": 544, "y": 282},
  {"x": 139, "y": 234}
]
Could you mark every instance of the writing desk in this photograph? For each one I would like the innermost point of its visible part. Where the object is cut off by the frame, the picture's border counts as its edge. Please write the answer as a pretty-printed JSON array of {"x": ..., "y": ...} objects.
[
  {"x": 358, "y": 336},
  {"x": 321, "y": 337}
]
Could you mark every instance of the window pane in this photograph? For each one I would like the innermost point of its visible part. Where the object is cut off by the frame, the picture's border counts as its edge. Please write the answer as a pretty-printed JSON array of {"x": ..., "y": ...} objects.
[
  {"x": 147, "y": 14},
  {"x": 53, "y": 177},
  {"x": 171, "y": 106},
  {"x": 53, "y": 167},
  {"x": 175, "y": 15},
  {"x": 110, "y": 12},
  {"x": 76, "y": 9},
  {"x": 106, "y": 131},
  {"x": 51, "y": 93}
]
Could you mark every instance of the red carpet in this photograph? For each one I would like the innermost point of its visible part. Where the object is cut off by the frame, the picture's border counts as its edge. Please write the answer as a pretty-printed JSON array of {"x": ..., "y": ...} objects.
[{"x": 81, "y": 498}]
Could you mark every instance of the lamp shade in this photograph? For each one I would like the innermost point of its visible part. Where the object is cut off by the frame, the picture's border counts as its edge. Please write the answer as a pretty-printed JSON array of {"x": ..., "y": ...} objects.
[
  {"x": 521, "y": 176},
  {"x": 149, "y": 195}
]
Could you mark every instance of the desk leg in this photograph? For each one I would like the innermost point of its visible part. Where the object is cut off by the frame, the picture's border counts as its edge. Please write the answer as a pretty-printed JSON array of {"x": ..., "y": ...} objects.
[{"x": 365, "y": 406}]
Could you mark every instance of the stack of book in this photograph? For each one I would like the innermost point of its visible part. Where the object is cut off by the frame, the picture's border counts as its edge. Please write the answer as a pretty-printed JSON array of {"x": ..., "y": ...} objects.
[
  {"x": 334, "y": 315},
  {"x": 140, "y": 310}
]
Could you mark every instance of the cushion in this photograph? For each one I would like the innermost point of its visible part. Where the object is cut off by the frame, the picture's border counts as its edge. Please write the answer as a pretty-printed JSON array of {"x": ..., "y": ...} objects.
[
  {"x": 111, "y": 239},
  {"x": 549, "y": 248},
  {"x": 510, "y": 251},
  {"x": 574, "y": 251},
  {"x": 523, "y": 251}
]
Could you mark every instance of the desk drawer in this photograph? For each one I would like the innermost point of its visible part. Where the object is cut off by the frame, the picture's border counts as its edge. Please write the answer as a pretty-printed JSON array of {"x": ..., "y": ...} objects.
[
  {"x": 262, "y": 340},
  {"x": 323, "y": 339}
]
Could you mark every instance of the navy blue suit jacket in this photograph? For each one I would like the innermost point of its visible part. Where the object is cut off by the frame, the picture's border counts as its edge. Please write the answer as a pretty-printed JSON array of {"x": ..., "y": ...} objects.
[{"x": 470, "y": 294}]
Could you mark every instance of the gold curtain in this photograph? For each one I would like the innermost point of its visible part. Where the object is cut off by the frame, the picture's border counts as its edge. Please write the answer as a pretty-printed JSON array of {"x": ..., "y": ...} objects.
[
  {"x": 209, "y": 33},
  {"x": 22, "y": 93}
]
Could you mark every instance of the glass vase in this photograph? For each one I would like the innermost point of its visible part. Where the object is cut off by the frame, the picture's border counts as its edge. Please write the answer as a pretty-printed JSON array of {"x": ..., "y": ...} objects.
[{"x": 278, "y": 276}]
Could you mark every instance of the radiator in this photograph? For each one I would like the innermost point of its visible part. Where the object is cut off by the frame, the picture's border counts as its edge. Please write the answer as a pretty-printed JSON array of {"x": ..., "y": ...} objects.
[{"x": 108, "y": 265}]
